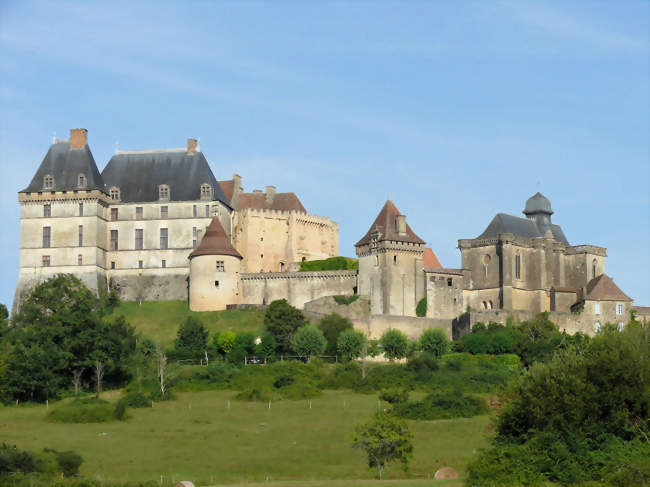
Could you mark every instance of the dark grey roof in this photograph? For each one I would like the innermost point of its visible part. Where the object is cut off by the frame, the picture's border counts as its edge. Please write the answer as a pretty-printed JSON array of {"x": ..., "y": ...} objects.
[
  {"x": 138, "y": 174},
  {"x": 521, "y": 227},
  {"x": 65, "y": 165},
  {"x": 538, "y": 203}
]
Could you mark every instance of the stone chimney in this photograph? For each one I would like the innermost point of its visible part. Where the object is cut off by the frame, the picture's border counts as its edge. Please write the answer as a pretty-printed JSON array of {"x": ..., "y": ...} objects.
[
  {"x": 191, "y": 146},
  {"x": 270, "y": 194},
  {"x": 257, "y": 191},
  {"x": 78, "y": 138},
  {"x": 400, "y": 223},
  {"x": 237, "y": 180}
]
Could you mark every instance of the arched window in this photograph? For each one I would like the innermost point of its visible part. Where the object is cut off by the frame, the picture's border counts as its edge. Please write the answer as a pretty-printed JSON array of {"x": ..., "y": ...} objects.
[
  {"x": 48, "y": 181},
  {"x": 81, "y": 181},
  {"x": 489, "y": 304},
  {"x": 163, "y": 192},
  {"x": 281, "y": 266},
  {"x": 115, "y": 193},
  {"x": 206, "y": 191},
  {"x": 484, "y": 304},
  {"x": 395, "y": 259},
  {"x": 597, "y": 327},
  {"x": 486, "y": 261}
]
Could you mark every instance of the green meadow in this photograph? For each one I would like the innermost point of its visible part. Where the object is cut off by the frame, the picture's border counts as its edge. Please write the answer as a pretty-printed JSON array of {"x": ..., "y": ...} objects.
[{"x": 198, "y": 437}]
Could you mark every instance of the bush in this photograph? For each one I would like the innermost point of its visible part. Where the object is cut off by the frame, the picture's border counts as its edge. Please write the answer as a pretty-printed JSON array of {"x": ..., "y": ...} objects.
[
  {"x": 441, "y": 406},
  {"x": 394, "y": 344},
  {"x": 343, "y": 375},
  {"x": 350, "y": 344},
  {"x": 137, "y": 400},
  {"x": 50, "y": 462},
  {"x": 119, "y": 412},
  {"x": 331, "y": 264},
  {"x": 434, "y": 341},
  {"x": 422, "y": 365},
  {"x": 283, "y": 381},
  {"x": 394, "y": 396},
  {"x": 254, "y": 394},
  {"x": 300, "y": 390},
  {"x": 332, "y": 326},
  {"x": 68, "y": 462},
  {"x": 421, "y": 308},
  {"x": 83, "y": 411},
  {"x": 385, "y": 376}
]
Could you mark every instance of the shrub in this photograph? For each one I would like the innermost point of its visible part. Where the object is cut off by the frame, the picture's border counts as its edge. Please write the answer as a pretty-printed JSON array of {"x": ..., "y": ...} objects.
[
  {"x": 421, "y": 308},
  {"x": 394, "y": 343},
  {"x": 68, "y": 462},
  {"x": 331, "y": 264},
  {"x": 434, "y": 341},
  {"x": 422, "y": 365},
  {"x": 300, "y": 390},
  {"x": 385, "y": 376},
  {"x": 308, "y": 341},
  {"x": 332, "y": 326},
  {"x": 345, "y": 300},
  {"x": 83, "y": 411},
  {"x": 394, "y": 396},
  {"x": 441, "y": 406},
  {"x": 137, "y": 400},
  {"x": 119, "y": 412},
  {"x": 283, "y": 381},
  {"x": 350, "y": 344},
  {"x": 254, "y": 394}
]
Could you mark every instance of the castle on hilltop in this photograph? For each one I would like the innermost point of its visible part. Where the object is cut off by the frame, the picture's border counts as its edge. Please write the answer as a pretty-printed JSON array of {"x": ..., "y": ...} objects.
[{"x": 158, "y": 225}]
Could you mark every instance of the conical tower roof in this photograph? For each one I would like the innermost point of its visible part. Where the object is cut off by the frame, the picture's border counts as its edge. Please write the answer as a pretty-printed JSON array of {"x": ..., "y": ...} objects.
[
  {"x": 215, "y": 242},
  {"x": 386, "y": 224}
]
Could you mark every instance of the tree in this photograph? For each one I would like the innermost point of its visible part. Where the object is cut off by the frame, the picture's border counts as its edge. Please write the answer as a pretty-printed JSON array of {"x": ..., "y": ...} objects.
[
  {"x": 385, "y": 439},
  {"x": 350, "y": 344},
  {"x": 225, "y": 342},
  {"x": 332, "y": 326},
  {"x": 166, "y": 374},
  {"x": 282, "y": 320},
  {"x": 394, "y": 343},
  {"x": 434, "y": 341},
  {"x": 308, "y": 341},
  {"x": 242, "y": 346},
  {"x": 266, "y": 346},
  {"x": 421, "y": 308},
  {"x": 4, "y": 320},
  {"x": 191, "y": 340}
]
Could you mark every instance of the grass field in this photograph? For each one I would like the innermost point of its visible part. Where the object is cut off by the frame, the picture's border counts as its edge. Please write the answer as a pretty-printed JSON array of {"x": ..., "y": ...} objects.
[
  {"x": 160, "y": 319},
  {"x": 196, "y": 437}
]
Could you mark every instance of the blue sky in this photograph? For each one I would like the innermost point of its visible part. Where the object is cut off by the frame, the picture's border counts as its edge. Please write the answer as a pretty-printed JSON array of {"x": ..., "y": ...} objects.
[{"x": 454, "y": 110}]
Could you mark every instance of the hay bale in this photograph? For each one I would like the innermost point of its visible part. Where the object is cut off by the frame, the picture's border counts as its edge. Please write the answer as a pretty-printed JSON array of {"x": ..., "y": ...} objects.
[
  {"x": 446, "y": 473},
  {"x": 184, "y": 483}
]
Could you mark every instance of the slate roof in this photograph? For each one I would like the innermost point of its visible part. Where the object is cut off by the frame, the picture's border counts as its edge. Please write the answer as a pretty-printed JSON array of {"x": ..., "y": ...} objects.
[
  {"x": 280, "y": 202},
  {"x": 429, "y": 259},
  {"x": 65, "y": 165},
  {"x": 215, "y": 242},
  {"x": 538, "y": 203},
  {"x": 387, "y": 225},
  {"x": 603, "y": 288},
  {"x": 521, "y": 227},
  {"x": 138, "y": 174}
]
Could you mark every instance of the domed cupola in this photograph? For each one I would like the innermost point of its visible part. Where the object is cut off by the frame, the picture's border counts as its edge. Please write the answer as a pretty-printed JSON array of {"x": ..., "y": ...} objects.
[{"x": 538, "y": 209}]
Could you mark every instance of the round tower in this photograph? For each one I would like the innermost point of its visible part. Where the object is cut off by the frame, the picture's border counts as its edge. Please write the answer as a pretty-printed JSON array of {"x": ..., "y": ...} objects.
[{"x": 214, "y": 271}]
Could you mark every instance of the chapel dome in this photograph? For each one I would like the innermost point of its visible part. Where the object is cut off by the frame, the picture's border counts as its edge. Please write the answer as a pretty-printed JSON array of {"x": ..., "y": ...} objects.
[{"x": 538, "y": 203}]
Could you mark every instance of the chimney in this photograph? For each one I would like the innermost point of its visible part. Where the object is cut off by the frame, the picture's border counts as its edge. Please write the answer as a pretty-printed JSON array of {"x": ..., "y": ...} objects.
[
  {"x": 400, "y": 223},
  {"x": 191, "y": 146},
  {"x": 78, "y": 138},
  {"x": 237, "y": 180},
  {"x": 270, "y": 194},
  {"x": 257, "y": 191}
]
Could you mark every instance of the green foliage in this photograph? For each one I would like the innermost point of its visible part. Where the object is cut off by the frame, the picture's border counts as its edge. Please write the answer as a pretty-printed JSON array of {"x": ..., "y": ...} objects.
[
  {"x": 394, "y": 396},
  {"x": 345, "y": 300},
  {"x": 68, "y": 462},
  {"x": 578, "y": 417},
  {"x": 332, "y": 326},
  {"x": 14, "y": 462},
  {"x": 434, "y": 341},
  {"x": 242, "y": 346},
  {"x": 308, "y": 341},
  {"x": 87, "y": 411},
  {"x": 266, "y": 348},
  {"x": 350, "y": 344},
  {"x": 331, "y": 264},
  {"x": 282, "y": 320},
  {"x": 192, "y": 340},
  {"x": 421, "y": 308},
  {"x": 254, "y": 394},
  {"x": 137, "y": 400},
  {"x": 60, "y": 332},
  {"x": 385, "y": 439},
  {"x": 4, "y": 320},
  {"x": 441, "y": 406},
  {"x": 225, "y": 342},
  {"x": 394, "y": 344}
]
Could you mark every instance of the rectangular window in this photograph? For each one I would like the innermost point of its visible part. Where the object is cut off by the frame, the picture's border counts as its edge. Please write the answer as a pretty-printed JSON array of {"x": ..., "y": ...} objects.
[
  {"x": 164, "y": 212},
  {"x": 138, "y": 213},
  {"x": 207, "y": 211},
  {"x": 47, "y": 233},
  {"x": 596, "y": 308},
  {"x": 80, "y": 259},
  {"x": 619, "y": 309},
  {"x": 113, "y": 239},
  {"x": 81, "y": 209},
  {"x": 81, "y": 235},
  {"x": 47, "y": 210},
  {"x": 194, "y": 233},
  {"x": 164, "y": 263},
  {"x": 139, "y": 264},
  {"x": 113, "y": 214},
  {"x": 518, "y": 267},
  {"x": 139, "y": 238},
  {"x": 215, "y": 210},
  {"x": 164, "y": 238},
  {"x": 46, "y": 261},
  {"x": 112, "y": 264},
  {"x": 194, "y": 211},
  {"x": 449, "y": 281},
  {"x": 220, "y": 266}
]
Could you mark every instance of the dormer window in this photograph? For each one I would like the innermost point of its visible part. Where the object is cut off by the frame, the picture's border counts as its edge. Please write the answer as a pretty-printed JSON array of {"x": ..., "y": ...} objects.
[
  {"x": 115, "y": 194},
  {"x": 48, "y": 182},
  {"x": 206, "y": 192},
  {"x": 163, "y": 192},
  {"x": 81, "y": 181}
]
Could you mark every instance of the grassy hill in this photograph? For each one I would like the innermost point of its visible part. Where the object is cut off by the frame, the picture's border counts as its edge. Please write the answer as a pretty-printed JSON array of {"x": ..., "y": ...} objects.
[
  {"x": 196, "y": 437},
  {"x": 160, "y": 319}
]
